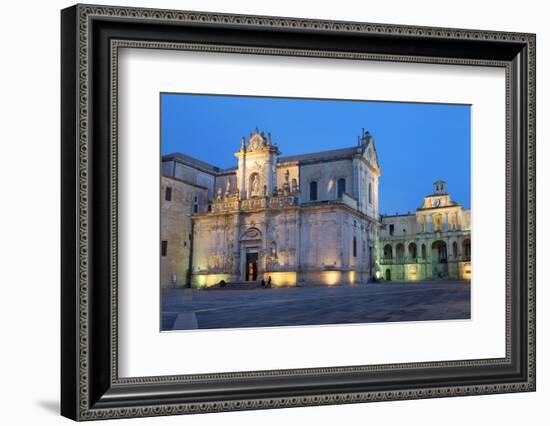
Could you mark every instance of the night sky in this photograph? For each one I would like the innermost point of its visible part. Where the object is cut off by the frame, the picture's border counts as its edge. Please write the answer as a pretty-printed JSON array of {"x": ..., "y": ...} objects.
[{"x": 416, "y": 143}]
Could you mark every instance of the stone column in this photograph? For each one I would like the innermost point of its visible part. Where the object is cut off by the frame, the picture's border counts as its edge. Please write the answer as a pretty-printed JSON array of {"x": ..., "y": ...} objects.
[
  {"x": 243, "y": 176},
  {"x": 270, "y": 176},
  {"x": 355, "y": 182}
]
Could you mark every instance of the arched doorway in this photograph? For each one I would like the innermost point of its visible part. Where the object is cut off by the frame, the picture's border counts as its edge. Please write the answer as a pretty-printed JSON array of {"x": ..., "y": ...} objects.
[
  {"x": 250, "y": 243},
  {"x": 439, "y": 259},
  {"x": 388, "y": 275},
  {"x": 439, "y": 251}
]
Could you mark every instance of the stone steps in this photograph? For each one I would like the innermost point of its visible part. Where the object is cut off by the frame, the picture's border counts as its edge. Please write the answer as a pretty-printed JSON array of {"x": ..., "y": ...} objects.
[{"x": 236, "y": 285}]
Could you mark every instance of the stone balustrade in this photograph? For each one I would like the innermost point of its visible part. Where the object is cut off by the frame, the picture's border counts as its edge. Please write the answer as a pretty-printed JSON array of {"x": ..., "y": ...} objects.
[
  {"x": 408, "y": 260},
  {"x": 254, "y": 203},
  {"x": 283, "y": 201},
  {"x": 225, "y": 205},
  {"x": 230, "y": 205}
]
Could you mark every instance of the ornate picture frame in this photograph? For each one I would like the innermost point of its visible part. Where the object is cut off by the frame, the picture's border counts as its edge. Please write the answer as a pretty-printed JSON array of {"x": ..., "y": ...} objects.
[{"x": 90, "y": 38}]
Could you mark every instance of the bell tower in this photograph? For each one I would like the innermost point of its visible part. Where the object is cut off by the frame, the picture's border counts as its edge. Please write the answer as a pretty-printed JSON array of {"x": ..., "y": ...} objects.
[{"x": 440, "y": 187}]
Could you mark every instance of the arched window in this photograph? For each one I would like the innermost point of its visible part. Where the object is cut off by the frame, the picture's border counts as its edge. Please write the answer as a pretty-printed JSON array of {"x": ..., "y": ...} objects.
[
  {"x": 341, "y": 187},
  {"x": 388, "y": 251},
  {"x": 412, "y": 250},
  {"x": 313, "y": 190},
  {"x": 400, "y": 251},
  {"x": 370, "y": 193},
  {"x": 354, "y": 247}
]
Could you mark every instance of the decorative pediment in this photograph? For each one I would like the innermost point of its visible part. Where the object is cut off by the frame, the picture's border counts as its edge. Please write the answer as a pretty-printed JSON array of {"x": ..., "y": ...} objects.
[
  {"x": 370, "y": 154},
  {"x": 256, "y": 143},
  {"x": 259, "y": 142},
  {"x": 366, "y": 146}
]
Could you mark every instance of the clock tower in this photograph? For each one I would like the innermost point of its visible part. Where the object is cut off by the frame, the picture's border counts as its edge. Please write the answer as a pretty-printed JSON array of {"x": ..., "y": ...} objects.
[{"x": 439, "y": 199}]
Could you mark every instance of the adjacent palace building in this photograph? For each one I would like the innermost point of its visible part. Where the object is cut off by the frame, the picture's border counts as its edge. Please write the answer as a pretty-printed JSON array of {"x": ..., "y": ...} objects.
[{"x": 299, "y": 220}]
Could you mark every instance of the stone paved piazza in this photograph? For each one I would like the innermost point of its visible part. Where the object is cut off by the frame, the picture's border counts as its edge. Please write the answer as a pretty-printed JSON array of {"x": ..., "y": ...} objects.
[{"x": 186, "y": 309}]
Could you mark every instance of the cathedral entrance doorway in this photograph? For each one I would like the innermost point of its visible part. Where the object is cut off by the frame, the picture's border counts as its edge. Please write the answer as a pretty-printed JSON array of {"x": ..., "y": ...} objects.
[{"x": 251, "y": 266}]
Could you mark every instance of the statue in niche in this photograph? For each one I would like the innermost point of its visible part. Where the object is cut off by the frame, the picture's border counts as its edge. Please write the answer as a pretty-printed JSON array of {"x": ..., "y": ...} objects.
[
  {"x": 227, "y": 188},
  {"x": 255, "y": 186}
]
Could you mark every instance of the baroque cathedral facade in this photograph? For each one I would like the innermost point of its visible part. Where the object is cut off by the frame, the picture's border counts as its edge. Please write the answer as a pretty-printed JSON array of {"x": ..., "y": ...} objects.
[{"x": 297, "y": 220}]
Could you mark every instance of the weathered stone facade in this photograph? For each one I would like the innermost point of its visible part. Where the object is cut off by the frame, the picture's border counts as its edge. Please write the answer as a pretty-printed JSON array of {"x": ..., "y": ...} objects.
[
  {"x": 432, "y": 243},
  {"x": 305, "y": 219},
  {"x": 179, "y": 200}
]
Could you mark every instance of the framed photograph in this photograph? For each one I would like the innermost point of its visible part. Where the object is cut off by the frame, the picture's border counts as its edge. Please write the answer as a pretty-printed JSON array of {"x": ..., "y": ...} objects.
[{"x": 263, "y": 212}]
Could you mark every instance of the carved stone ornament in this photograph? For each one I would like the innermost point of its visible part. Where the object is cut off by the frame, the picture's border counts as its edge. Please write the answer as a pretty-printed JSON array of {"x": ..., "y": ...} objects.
[
  {"x": 256, "y": 143},
  {"x": 251, "y": 234}
]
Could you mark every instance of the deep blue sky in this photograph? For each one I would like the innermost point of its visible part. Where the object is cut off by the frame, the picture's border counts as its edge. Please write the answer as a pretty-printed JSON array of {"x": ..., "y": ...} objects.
[{"x": 416, "y": 143}]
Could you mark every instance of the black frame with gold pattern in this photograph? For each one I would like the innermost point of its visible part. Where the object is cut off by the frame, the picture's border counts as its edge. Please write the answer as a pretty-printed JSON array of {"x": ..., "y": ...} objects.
[{"x": 91, "y": 36}]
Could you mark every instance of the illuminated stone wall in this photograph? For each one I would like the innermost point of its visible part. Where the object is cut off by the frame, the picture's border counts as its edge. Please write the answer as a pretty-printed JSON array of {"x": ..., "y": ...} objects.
[
  {"x": 263, "y": 207},
  {"x": 326, "y": 175},
  {"x": 434, "y": 242},
  {"x": 175, "y": 229},
  {"x": 296, "y": 245}
]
